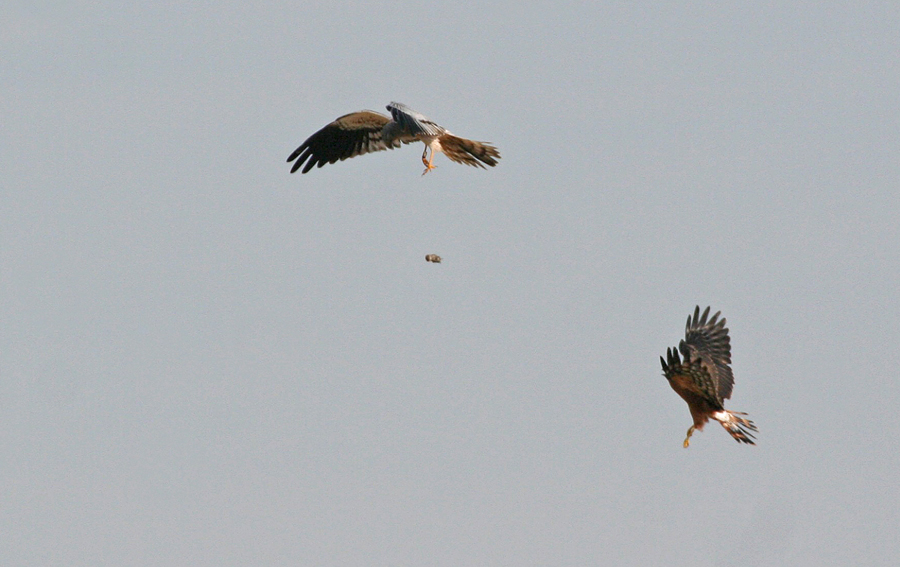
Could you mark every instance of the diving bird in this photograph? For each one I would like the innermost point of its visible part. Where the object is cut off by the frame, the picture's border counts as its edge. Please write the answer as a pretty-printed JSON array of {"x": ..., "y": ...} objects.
[
  {"x": 365, "y": 131},
  {"x": 702, "y": 375}
]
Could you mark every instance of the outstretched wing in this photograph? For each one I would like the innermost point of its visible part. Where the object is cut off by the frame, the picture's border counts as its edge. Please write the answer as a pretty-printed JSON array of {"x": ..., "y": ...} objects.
[
  {"x": 412, "y": 123},
  {"x": 706, "y": 341},
  {"x": 692, "y": 380},
  {"x": 469, "y": 152},
  {"x": 349, "y": 136}
]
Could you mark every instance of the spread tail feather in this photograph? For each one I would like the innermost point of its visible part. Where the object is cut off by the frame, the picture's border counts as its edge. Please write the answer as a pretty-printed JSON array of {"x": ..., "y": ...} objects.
[
  {"x": 739, "y": 427},
  {"x": 469, "y": 152}
]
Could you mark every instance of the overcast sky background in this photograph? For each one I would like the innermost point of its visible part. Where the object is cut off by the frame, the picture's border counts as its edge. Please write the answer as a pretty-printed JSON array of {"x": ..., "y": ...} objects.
[{"x": 205, "y": 360}]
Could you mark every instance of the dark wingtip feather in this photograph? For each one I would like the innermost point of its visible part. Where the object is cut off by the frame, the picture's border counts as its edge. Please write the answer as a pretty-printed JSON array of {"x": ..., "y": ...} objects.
[
  {"x": 295, "y": 153},
  {"x": 672, "y": 355},
  {"x": 704, "y": 316}
]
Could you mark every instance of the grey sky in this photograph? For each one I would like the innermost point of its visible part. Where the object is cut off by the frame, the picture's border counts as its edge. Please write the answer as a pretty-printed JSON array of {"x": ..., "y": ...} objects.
[{"x": 205, "y": 360}]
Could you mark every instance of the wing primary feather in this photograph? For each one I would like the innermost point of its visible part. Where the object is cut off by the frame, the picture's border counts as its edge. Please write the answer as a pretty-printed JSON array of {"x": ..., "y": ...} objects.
[
  {"x": 348, "y": 136},
  {"x": 707, "y": 342}
]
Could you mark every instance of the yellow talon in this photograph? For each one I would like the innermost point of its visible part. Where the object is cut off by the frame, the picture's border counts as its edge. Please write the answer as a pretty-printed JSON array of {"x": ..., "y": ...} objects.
[
  {"x": 427, "y": 162},
  {"x": 687, "y": 440}
]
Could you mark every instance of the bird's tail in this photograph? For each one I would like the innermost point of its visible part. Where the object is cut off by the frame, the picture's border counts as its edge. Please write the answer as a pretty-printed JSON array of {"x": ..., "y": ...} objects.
[
  {"x": 469, "y": 152},
  {"x": 739, "y": 427}
]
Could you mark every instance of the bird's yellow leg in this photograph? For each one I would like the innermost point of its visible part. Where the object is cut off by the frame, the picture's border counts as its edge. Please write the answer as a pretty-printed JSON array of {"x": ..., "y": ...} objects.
[
  {"x": 687, "y": 440},
  {"x": 428, "y": 166},
  {"x": 424, "y": 153}
]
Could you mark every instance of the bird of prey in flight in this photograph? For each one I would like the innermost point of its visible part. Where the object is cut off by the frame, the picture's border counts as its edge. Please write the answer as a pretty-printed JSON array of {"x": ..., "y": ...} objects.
[
  {"x": 365, "y": 131},
  {"x": 702, "y": 375}
]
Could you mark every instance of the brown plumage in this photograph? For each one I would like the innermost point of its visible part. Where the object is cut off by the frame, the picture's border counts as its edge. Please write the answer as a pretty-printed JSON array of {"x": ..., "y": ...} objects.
[
  {"x": 349, "y": 136},
  {"x": 702, "y": 375},
  {"x": 364, "y": 132},
  {"x": 468, "y": 152}
]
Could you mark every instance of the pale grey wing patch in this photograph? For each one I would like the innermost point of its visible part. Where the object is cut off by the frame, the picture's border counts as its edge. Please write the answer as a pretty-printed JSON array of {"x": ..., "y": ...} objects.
[
  {"x": 414, "y": 123},
  {"x": 349, "y": 136},
  {"x": 706, "y": 340}
]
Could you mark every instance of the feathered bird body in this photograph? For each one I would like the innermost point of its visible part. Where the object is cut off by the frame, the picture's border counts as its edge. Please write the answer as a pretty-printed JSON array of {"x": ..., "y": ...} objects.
[
  {"x": 699, "y": 371},
  {"x": 366, "y": 131}
]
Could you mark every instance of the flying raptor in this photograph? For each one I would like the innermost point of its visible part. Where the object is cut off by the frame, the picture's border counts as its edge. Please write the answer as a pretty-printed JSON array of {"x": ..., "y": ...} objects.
[
  {"x": 702, "y": 375},
  {"x": 365, "y": 131}
]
